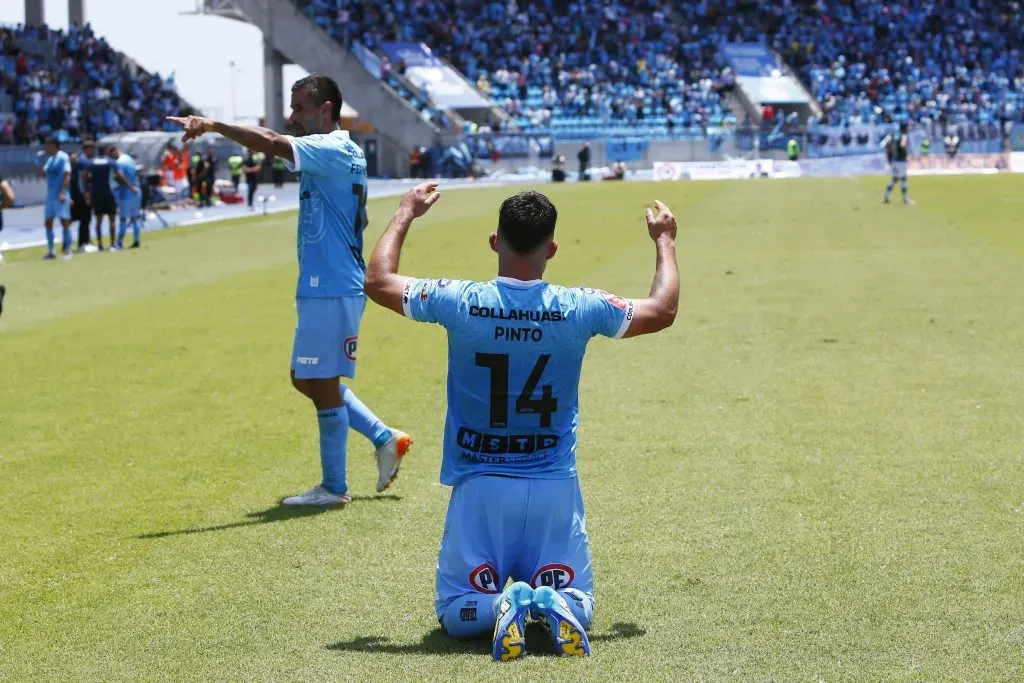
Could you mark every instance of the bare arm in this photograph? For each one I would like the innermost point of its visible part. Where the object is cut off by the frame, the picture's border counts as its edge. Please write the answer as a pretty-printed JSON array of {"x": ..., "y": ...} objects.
[
  {"x": 658, "y": 310},
  {"x": 64, "y": 187},
  {"x": 7, "y": 196},
  {"x": 383, "y": 283},
  {"x": 254, "y": 137}
]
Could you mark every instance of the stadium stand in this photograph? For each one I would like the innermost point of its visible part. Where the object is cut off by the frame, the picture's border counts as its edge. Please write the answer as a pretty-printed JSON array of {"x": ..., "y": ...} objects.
[
  {"x": 957, "y": 60},
  {"x": 586, "y": 67},
  {"x": 73, "y": 84},
  {"x": 653, "y": 67}
]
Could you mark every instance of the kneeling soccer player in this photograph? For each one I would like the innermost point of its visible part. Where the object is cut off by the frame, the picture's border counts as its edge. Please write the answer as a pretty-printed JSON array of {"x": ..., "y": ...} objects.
[{"x": 515, "y": 351}]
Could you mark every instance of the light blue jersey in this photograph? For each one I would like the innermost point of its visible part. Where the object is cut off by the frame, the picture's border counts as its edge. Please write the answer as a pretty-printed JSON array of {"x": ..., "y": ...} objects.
[
  {"x": 55, "y": 168},
  {"x": 126, "y": 165},
  {"x": 515, "y": 351},
  {"x": 332, "y": 215}
]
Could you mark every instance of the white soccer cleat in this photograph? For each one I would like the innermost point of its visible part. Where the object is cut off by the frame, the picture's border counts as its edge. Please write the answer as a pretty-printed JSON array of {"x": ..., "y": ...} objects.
[
  {"x": 318, "y": 496},
  {"x": 389, "y": 458}
]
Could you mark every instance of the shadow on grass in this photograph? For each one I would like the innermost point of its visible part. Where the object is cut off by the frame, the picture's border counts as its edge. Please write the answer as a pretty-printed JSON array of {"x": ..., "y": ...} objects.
[
  {"x": 277, "y": 513},
  {"x": 437, "y": 642}
]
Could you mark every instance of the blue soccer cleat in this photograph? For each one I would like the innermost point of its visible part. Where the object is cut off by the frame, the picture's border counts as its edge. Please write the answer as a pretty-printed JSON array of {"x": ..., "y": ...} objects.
[
  {"x": 510, "y": 628},
  {"x": 550, "y": 609}
]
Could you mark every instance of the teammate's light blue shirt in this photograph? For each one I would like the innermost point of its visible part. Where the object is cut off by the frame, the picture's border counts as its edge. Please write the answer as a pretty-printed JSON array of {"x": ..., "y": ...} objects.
[
  {"x": 126, "y": 165},
  {"x": 332, "y": 214},
  {"x": 55, "y": 168},
  {"x": 515, "y": 351}
]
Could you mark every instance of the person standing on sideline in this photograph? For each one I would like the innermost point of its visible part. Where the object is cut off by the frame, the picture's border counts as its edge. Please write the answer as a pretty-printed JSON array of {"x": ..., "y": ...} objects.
[
  {"x": 129, "y": 198},
  {"x": 81, "y": 211},
  {"x": 584, "y": 158},
  {"x": 279, "y": 171},
  {"x": 57, "y": 170},
  {"x": 793, "y": 149},
  {"x": 253, "y": 166},
  {"x": 211, "y": 177},
  {"x": 96, "y": 179},
  {"x": 329, "y": 297},
  {"x": 235, "y": 162}
]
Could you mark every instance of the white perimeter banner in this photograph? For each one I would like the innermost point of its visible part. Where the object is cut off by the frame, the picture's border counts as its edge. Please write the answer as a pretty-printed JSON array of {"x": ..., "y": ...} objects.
[
  {"x": 1017, "y": 162},
  {"x": 713, "y": 170}
]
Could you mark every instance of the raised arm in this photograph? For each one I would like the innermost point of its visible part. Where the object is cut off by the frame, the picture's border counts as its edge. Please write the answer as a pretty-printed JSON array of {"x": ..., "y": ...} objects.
[
  {"x": 254, "y": 137},
  {"x": 383, "y": 283},
  {"x": 658, "y": 310}
]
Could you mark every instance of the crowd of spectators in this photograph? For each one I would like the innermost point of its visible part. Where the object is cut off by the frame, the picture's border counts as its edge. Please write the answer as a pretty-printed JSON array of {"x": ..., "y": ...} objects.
[
  {"x": 657, "y": 61},
  {"x": 865, "y": 61},
  {"x": 72, "y": 84},
  {"x": 551, "y": 62}
]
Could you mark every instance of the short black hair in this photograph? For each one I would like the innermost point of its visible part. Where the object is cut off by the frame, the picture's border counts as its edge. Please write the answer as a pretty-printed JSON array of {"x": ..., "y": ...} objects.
[
  {"x": 527, "y": 220},
  {"x": 321, "y": 89},
  {"x": 52, "y": 140}
]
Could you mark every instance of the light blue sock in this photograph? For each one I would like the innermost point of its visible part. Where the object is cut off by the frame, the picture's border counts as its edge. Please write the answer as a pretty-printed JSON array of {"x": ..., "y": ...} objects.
[
  {"x": 469, "y": 615},
  {"x": 67, "y": 240},
  {"x": 333, "y": 437},
  {"x": 49, "y": 239},
  {"x": 136, "y": 228},
  {"x": 122, "y": 228},
  {"x": 363, "y": 421}
]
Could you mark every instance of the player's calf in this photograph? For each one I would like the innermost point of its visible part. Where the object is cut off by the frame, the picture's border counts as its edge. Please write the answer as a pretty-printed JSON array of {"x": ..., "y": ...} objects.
[{"x": 469, "y": 616}]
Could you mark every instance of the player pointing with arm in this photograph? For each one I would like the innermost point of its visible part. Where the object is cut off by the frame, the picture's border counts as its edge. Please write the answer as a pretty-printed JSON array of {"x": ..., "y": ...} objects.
[
  {"x": 515, "y": 352},
  {"x": 329, "y": 296}
]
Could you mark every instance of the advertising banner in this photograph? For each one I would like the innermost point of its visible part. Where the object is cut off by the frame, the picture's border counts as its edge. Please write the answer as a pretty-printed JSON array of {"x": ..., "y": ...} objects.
[
  {"x": 713, "y": 170},
  {"x": 960, "y": 164}
]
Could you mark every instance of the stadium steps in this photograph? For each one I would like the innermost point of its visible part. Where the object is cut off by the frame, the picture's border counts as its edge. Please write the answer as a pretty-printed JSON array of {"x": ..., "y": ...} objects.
[{"x": 293, "y": 34}]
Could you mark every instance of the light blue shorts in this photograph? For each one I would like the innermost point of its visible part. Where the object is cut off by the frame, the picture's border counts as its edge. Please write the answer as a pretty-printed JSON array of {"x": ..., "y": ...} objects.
[
  {"x": 326, "y": 337},
  {"x": 129, "y": 205},
  {"x": 531, "y": 530},
  {"x": 57, "y": 210}
]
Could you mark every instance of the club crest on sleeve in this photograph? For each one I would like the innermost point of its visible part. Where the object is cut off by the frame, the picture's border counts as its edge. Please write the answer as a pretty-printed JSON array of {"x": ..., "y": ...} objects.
[
  {"x": 424, "y": 294},
  {"x": 484, "y": 578},
  {"x": 616, "y": 301}
]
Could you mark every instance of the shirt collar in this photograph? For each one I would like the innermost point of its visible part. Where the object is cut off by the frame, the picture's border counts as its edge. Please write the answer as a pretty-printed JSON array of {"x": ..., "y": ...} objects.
[{"x": 517, "y": 283}]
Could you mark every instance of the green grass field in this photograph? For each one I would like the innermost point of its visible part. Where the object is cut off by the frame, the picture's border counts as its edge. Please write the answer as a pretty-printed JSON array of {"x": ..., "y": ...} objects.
[{"x": 815, "y": 474}]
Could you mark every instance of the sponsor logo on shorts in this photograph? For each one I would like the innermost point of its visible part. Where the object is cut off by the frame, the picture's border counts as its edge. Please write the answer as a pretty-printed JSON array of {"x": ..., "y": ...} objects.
[
  {"x": 484, "y": 578},
  {"x": 350, "y": 347},
  {"x": 557, "y": 576},
  {"x": 306, "y": 360},
  {"x": 443, "y": 283}
]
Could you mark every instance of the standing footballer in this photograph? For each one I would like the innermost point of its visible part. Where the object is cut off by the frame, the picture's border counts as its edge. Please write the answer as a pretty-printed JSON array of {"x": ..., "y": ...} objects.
[
  {"x": 896, "y": 150},
  {"x": 329, "y": 296},
  {"x": 515, "y": 352}
]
